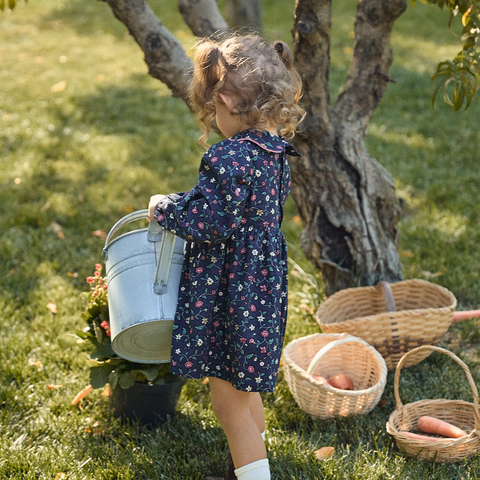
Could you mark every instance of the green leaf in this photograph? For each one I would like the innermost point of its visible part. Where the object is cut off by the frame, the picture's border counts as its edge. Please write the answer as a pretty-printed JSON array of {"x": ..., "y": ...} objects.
[
  {"x": 99, "y": 376},
  {"x": 68, "y": 340},
  {"x": 11, "y": 4},
  {"x": 93, "y": 363},
  {"x": 98, "y": 331},
  {"x": 458, "y": 94},
  {"x": 150, "y": 373},
  {"x": 127, "y": 379},
  {"x": 102, "y": 352},
  {"x": 2, "y": 5},
  {"x": 113, "y": 378}
]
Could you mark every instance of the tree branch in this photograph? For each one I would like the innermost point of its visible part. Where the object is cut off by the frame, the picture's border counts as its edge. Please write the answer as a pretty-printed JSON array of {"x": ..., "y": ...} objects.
[
  {"x": 311, "y": 37},
  {"x": 368, "y": 74},
  {"x": 244, "y": 13},
  {"x": 203, "y": 17},
  {"x": 165, "y": 57}
]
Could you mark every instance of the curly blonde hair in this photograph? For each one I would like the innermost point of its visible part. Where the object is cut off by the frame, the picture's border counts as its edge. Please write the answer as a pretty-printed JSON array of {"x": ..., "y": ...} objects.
[{"x": 261, "y": 76}]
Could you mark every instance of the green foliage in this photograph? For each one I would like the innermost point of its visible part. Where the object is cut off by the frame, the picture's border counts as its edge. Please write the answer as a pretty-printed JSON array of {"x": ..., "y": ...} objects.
[
  {"x": 11, "y": 4},
  {"x": 105, "y": 365},
  {"x": 462, "y": 74}
]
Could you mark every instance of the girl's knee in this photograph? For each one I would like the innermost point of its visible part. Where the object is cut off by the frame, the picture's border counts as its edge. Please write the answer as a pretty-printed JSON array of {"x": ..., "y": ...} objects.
[{"x": 228, "y": 404}]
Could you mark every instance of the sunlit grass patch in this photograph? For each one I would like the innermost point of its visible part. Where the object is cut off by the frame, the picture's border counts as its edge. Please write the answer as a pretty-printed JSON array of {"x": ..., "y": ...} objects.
[{"x": 86, "y": 136}]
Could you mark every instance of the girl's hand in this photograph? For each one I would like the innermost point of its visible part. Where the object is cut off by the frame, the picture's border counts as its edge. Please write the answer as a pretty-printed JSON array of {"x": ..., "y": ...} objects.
[{"x": 153, "y": 203}]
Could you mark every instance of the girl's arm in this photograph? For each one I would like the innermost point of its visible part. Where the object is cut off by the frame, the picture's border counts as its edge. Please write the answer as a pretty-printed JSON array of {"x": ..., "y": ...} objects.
[{"x": 213, "y": 209}]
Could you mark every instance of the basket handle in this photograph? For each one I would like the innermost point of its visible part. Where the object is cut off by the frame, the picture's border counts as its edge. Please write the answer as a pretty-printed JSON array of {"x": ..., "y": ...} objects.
[
  {"x": 387, "y": 293},
  {"x": 398, "y": 401},
  {"x": 343, "y": 338}
]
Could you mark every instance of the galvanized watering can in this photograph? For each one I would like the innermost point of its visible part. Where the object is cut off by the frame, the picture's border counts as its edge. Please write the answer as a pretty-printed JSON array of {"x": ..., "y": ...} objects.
[{"x": 143, "y": 273}]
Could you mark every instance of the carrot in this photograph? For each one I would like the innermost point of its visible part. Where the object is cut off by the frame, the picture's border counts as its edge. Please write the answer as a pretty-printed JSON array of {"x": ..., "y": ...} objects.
[
  {"x": 415, "y": 436},
  {"x": 439, "y": 427}
]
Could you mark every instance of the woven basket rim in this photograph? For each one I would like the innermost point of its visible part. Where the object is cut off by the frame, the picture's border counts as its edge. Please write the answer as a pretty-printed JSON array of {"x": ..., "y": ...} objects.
[
  {"x": 471, "y": 440},
  {"x": 395, "y": 314},
  {"x": 347, "y": 393}
]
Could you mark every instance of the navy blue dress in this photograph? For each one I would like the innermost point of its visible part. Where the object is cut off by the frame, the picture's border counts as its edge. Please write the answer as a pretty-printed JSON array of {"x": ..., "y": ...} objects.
[{"x": 232, "y": 307}]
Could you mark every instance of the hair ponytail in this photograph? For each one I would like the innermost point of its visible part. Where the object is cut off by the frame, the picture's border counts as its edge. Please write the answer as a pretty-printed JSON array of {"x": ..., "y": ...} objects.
[
  {"x": 284, "y": 53},
  {"x": 207, "y": 78}
]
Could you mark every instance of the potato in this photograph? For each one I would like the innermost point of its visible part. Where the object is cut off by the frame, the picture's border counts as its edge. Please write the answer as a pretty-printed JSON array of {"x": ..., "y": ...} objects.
[
  {"x": 341, "y": 381},
  {"x": 320, "y": 379}
]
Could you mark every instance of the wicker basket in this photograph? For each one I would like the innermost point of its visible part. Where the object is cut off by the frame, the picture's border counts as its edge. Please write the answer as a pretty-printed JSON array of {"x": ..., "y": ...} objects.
[
  {"x": 328, "y": 354},
  {"x": 457, "y": 412},
  {"x": 423, "y": 314}
]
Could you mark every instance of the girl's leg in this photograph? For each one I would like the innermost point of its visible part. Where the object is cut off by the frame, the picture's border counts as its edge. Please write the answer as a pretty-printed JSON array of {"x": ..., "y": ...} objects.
[
  {"x": 256, "y": 409},
  {"x": 238, "y": 413}
]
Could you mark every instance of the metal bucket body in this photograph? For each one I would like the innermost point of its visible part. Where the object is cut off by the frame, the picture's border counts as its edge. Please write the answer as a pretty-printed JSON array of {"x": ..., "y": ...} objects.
[{"x": 141, "y": 310}]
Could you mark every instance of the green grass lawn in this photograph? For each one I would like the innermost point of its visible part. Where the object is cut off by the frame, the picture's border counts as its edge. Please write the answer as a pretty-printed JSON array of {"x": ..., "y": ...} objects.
[{"x": 86, "y": 136}]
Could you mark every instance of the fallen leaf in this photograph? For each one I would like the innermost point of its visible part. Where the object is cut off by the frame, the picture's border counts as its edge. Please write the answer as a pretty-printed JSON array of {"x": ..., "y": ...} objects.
[
  {"x": 82, "y": 394},
  {"x": 205, "y": 380},
  {"x": 88, "y": 430},
  {"x": 97, "y": 431},
  {"x": 324, "y": 453},
  {"x": 406, "y": 253},
  {"x": 35, "y": 363},
  {"x": 57, "y": 229},
  {"x": 107, "y": 392},
  {"x": 382, "y": 403},
  {"x": 52, "y": 307},
  {"x": 99, "y": 233},
  {"x": 432, "y": 275},
  {"x": 100, "y": 77},
  {"x": 72, "y": 275},
  {"x": 297, "y": 220},
  {"x": 60, "y": 476},
  {"x": 59, "y": 87},
  {"x": 53, "y": 387},
  {"x": 18, "y": 181}
]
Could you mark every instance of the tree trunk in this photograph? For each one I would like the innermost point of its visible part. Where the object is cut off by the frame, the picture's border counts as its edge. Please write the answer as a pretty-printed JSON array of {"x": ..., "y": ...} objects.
[
  {"x": 244, "y": 14},
  {"x": 345, "y": 198},
  {"x": 203, "y": 17}
]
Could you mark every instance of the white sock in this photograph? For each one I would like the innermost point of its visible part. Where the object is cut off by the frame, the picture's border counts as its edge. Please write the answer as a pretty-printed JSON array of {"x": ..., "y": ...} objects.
[
  {"x": 258, "y": 470},
  {"x": 263, "y": 435}
]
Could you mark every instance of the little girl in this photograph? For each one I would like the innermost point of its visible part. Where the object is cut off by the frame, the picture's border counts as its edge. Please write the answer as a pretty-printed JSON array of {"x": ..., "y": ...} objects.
[{"x": 232, "y": 307}]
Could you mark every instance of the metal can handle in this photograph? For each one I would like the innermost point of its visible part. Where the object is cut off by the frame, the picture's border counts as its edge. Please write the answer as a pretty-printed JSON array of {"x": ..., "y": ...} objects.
[{"x": 167, "y": 245}]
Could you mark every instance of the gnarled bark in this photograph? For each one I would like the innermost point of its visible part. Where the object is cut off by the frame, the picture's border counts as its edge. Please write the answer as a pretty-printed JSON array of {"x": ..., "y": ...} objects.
[
  {"x": 345, "y": 198},
  {"x": 244, "y": 13},
  {"x": 203, "y": 17}
]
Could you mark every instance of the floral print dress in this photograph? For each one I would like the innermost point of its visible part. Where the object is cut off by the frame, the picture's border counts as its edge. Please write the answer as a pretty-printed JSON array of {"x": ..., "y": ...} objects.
[{"x": 232, "y": 306}]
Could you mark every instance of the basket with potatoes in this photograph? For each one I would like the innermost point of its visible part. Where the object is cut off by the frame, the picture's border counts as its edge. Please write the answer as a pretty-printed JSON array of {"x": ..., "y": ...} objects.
[{"x": 331, "y": 375}]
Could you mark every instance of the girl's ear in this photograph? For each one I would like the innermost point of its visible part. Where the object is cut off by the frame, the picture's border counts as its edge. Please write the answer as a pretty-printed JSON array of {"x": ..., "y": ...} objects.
[{"x": 228, "y": 100}]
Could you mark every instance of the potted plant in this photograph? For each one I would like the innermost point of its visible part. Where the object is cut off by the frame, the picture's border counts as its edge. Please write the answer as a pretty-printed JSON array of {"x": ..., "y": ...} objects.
[{"x": 137, "y": 391}]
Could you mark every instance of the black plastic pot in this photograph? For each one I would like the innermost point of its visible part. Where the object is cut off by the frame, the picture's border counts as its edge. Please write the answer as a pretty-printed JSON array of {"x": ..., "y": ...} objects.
[{"x": 149, "y": 404}]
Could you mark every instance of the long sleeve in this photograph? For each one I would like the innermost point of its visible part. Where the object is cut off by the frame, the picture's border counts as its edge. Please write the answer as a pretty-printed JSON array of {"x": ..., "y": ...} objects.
[{"x": 213, "y": 209}]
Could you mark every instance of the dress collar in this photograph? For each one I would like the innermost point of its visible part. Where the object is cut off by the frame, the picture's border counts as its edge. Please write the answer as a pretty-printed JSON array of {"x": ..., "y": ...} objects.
[{"x": 267, "y": 141}]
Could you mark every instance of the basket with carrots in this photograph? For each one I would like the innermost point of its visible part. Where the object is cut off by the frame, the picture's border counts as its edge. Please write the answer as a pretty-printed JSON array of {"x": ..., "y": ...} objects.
[
  {"x": 333, "y": 375},
  {"x": 439, "y": 430},
  {"x": 394, "y": 318}
]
